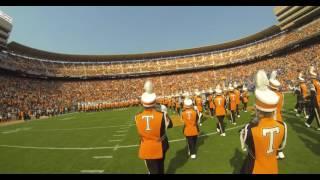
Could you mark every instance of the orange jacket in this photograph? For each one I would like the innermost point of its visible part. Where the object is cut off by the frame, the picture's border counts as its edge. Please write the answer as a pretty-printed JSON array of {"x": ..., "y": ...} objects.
[
  {"x": 199, "y": 103},
  {"x": 317, "y": 87},
  {"x": 263, "y": 140},
  {"x": 245, "y": 97},
  {"x": 232, "y": 101},
  {"x": 219, "y": 102},
  {"x": 237, "y": 93},
  {"x": 189, "y": 117},
  {"x": 211, "y": 104},
  {"x": 148, "y": 125}
]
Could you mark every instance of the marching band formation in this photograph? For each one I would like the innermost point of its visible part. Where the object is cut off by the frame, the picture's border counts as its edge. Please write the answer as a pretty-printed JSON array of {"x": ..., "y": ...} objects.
[
  {"x": 263, "y": 137},
  {"x": 307, "y": 91}
]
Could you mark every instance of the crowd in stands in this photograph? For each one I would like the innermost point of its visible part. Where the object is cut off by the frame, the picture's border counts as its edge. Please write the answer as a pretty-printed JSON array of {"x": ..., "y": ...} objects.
[
  {"x": 22, "y": 98},
  {"x": 238, "y": 54}
]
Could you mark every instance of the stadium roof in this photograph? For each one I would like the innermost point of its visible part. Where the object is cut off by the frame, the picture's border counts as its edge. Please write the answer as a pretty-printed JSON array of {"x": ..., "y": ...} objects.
[{"x": 32, "y": 52}]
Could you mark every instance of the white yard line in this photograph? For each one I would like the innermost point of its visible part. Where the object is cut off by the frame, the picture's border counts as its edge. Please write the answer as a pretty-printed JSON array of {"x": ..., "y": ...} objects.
[
  {"x": 102, "y": 157},
  {"x": 92, "y": 171},
  {"x": 71, "y": 129},
  {"x": 115, "y": 140},
  {"x": 116, "y": 147},
  {"x": 15, "y": 130},
  {"x": 102, "y": 147},
  {"x": 122, "y": 131},
  {"x": 118, "y": 135},
  {"x": 66, "y": 118}
]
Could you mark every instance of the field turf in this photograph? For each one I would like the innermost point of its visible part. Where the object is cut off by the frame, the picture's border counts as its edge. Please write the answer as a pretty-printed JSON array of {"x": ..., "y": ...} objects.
[{"x": 107, "y": 142}]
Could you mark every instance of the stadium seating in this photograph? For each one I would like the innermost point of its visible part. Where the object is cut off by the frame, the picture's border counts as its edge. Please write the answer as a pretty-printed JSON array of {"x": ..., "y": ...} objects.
[{"x": 31, "y": 95}]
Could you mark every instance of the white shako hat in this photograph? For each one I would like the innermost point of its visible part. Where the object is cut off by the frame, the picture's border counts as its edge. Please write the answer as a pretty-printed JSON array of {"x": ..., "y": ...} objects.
[
  {"x": 230, "y": 88},
  {"x": 235, "y": 85},
  {"x": 244, "y": 88},
  {"x": 148, "y": 98},
  {"x": 180, "y": 93},
  {"x": 218, "y": 90},
  {"x": 301, "y": 79},
  {"x": 210, "y": 90},
  {"x": 187, "y": 102},
  {"x": 312, "y": 72},
  {"x": 225, "y": 89},
  {"x": 187, "y": 95},
  {"x": 266, "y": 100},
  {"x": 197, "y": 93},
  {"x": 273, "y": 82}
]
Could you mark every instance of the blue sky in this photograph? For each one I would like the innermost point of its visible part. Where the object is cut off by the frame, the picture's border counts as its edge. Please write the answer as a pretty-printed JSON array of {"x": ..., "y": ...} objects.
[{"x": 126, "y": 30}]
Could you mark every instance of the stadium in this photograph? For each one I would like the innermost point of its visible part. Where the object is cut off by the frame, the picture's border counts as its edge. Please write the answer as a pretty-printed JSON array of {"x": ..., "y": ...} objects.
[{"x": 69, "y": 113}]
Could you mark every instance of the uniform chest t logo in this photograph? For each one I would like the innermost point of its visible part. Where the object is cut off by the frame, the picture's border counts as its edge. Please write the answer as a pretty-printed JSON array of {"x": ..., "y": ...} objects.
[
  {"x": 270, "y": 132},
  {"x": 147, "y": 119},
  {"x": 189, "y": 115}
]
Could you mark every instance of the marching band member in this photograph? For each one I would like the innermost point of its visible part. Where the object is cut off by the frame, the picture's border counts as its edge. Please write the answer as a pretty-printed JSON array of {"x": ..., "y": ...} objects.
[
  {"x": 236, "y": 91},
  {"x": 245, "y": 98},
  {"x": 302, "y": 97},
  {"x": 198, "y": 102},
  {"x": 274, "y": 86},
  {"x": 232, "y": 104},
  {"x": 264, "y": 135},
  {"x": 220, "y": 110},
  {"x": 151, "y": 126},
  {"x": 190, "y": 129},
  {"x": 315, "y": 99},
  {"x": 211, "y": 103}
]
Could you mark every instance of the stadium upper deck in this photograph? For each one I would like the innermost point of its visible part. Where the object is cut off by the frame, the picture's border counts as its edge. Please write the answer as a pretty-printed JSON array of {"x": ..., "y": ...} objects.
[
  {"x": 267, "y": 43},
  {"x": 5, "y": 29}
]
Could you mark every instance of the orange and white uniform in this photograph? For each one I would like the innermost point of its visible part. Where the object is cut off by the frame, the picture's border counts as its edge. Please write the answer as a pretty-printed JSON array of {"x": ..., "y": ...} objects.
[
  {"x": 316, "y": 85},
  {"x": 232, "y": 101},
  {"x": 237, "y": 93},
  {"x": 303, "y": 90},
  {"x": 211, "y": 103},
  {"x": 151, "y": 129},
  {"x": 279, "y": 106},
  {"x": 220, "y": 102},
  {"x": 198, "y": 101},
  {"x": 189, "y": 117},
  {"x": 263, "y": 140},
  {"x": 245, "y": 97}
]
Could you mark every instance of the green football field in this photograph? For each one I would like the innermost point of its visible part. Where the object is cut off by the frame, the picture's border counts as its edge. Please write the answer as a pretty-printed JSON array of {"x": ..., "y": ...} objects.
[{"x": 107, "y": 142}]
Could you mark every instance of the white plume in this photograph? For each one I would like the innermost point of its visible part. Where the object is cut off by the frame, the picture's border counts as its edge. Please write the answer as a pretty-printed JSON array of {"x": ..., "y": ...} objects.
[
  {"x": 235, "y": 84},
  {"x": 311, "y": 69},
  {"x": 148, "y": 87},
  {"x": 261, "y": 80},
  {"x": 273, "y": 75},
  {"x": 244, "y": 87}
]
